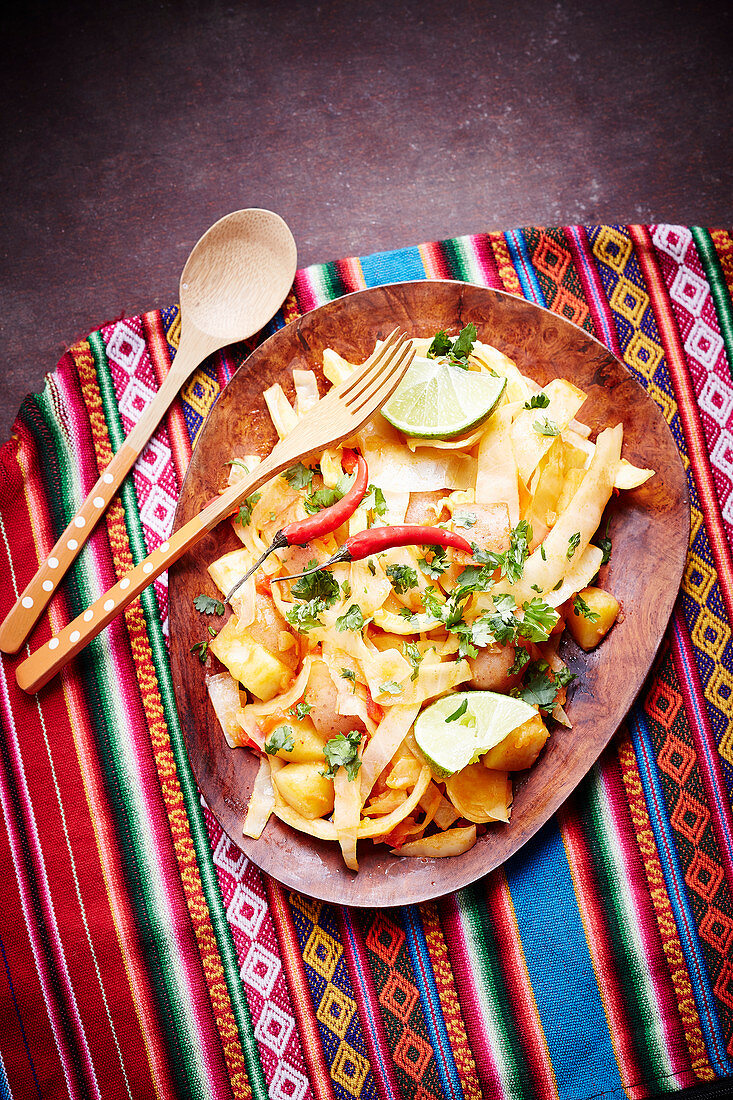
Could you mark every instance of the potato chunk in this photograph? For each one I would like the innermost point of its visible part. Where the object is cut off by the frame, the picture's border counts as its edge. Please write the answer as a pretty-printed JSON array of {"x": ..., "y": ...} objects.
[
  {"x": 480, "y": 795},
  {"x": 323, "y": 698},
  {"x": 519, "y": 749},
  {"x": 307, "y": 741},
  {"x": 304, "y": 788},
  {"x": 490, "y": 669},
  {"x": 601, "y": 604},
  {"x": 249, "y": 662}
]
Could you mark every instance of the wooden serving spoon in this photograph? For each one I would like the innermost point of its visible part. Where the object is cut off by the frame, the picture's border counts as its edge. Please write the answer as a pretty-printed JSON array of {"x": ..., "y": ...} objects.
[{"x": 234, "y": 281}]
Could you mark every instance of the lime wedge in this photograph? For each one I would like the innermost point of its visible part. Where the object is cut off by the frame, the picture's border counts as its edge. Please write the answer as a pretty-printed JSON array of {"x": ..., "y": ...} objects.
[
  {"x": 437, "y": 400},
  {"x": 451, "y": 736}
]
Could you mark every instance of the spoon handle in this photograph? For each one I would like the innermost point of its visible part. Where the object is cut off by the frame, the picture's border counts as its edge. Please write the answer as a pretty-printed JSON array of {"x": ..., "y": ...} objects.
[
  {"x": 28, "y": 607},
  {"x": 42, "y": 665}
]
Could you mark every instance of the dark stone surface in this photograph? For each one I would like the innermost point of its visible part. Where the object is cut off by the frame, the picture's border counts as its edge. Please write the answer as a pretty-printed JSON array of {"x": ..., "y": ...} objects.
[{"x": 127, "y": 129}]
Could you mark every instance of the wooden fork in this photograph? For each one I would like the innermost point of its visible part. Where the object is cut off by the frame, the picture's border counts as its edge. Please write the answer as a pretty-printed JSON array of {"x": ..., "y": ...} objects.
[{"x": 336, "y": 416}]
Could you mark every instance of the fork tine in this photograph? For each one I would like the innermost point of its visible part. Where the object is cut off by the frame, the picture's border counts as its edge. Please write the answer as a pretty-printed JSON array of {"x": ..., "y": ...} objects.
[
  {"x": 373, "y": 362},
  {"x": 379, "y": 369},
  {"x": 385, "y": 383}
]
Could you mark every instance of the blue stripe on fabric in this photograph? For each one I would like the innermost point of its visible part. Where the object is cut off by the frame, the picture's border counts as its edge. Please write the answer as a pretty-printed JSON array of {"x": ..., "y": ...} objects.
[
  {"x": 20, "y": 1023},
  {"x": 402, "y": 265},
  {"x": 560, "y": 969},
  {"x": 5, "y": 1093},
  {"x": 523, "y": 267},
  {"x": 383, "y": 1085},
  {"x": 674, "y": 880},
  {"x": 423, "y": 971}
]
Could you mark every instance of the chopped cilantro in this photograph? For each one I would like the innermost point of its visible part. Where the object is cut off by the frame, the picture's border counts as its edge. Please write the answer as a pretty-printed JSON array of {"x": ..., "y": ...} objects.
[
  {"x": 516, "y": 555},
  {"x": 573, "y": 544},
  {"x": 441, "y": 345},
  {"x": 604, "y": 544},
  {"x": 543, "y": 555},
  {"x": 202, "y": 648},
  {"x": 414, "y": 656},
  {"x": 352, "y": 618},
  {"x": 580, "y": 607},
  {"x": 464, "y": 519},
  {"x": 502, "y": 621},
  {"x": 391, "y": 687},
  {"x": 459, "y": 712},
  {"x": 458, "y": 350},
  {"x": 372, "y": 567},
  {"x": 546, "y": 427},
  {"x": 402, "y": 578},
  {"x": 521, "y": 658},
  {"x": 280, "y": 738},
  {"x": 343, "y": 752},
  {"x": 349, "y": 674},
  {"x": 437, "y": 564},
  {"x": 208, "y": 605},
  {"x": 346, "y": 589},
  {"x": 537, "y": 401}
]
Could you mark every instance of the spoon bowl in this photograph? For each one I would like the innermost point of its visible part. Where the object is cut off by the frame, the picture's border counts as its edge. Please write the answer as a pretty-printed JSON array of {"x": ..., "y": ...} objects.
[
  {"x": 238, "y": 275},
  {"x": 234, "y": 281}
]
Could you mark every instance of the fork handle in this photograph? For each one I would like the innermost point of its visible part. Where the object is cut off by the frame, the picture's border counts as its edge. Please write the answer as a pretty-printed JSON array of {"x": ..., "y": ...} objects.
[
  {"x": 50, "y": 658},
  {"x": 33, "y": 599}
]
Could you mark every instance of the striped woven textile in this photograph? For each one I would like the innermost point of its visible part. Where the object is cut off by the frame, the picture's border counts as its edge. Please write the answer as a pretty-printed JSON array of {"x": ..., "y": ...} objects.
[{"x": 142, "y": 955}]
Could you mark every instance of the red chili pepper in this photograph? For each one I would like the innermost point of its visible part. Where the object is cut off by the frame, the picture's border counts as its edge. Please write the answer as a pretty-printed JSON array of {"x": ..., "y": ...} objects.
[
  {"x": 376, "y": 539},
  {"x": 322, "y": 523}
]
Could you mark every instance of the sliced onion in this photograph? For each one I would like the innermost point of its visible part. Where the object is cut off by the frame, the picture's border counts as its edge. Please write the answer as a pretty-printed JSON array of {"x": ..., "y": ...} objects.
[
  {"x": 453, "y": 842},
  {"x": 261, "y": 802}
]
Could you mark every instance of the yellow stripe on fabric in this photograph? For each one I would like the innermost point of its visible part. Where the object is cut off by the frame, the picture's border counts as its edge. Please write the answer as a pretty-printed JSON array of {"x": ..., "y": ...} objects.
[
  {"x": 170, "y": 787},
  {"x": 450, "y": 1005},
  {"x": 663, "y": 910},
  {"x": 504, "y": 264}
]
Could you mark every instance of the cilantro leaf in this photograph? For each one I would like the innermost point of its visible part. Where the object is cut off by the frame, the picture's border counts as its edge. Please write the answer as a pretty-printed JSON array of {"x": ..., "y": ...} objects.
[
  {"x": 374, "y": 500},
  {"x": 463, "y": 345},
  {"x": 539, "y": 620},
  {"x": 580, "y": 607},
  {"x": 502, "y": 622},
  {"x": 537, "y": 401},
  {"x": 208, "y": 605},
  {"x": 244, "y": 515},
  {"x": 489, "y": 558},
  {"x": 321, "y": 498},
  {"x": 343, "y": 752},
  {"x": 304, "y": 616},
  {"x": 352, "y": 618},
  {"x": 604, "y": 544},
  {"x": 441, "y": 345},
  {"x": 318, "y": 584},
  {"x": 202, "y": 648},
  {"x": 459, "y": 712},
  {"x": 346, "y": 589},
  {"x": 299, "y": 476},
  {"x": 402, "y": 578},
  {"x": 280, "y": 738},
  {"x": 301, "y": 709},
  {"x": 542, "y": 686},
  {"x": 521, "y": 658},
  {"x": 546, "y": 427}
]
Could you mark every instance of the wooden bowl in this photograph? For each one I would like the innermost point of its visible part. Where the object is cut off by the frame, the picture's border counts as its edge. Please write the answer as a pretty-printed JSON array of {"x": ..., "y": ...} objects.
[{"x": 649, "y": 528}]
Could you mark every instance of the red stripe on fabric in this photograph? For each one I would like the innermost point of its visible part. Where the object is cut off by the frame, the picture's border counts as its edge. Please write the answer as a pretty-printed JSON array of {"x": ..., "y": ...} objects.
[
  {"x": 486, "y": 260},
  {"x": 300, "y": 996},
  {"x": 372, "y": 1024},
  {"x": 590, "y": 905},
  {"x": 350, "y": 273},
  {"x": 305, "y": 295},
  {"x": 433, "y": 257},
  {"x": 688, "y": 411},
  {"x": 518, "y": 986},
  {"x": 688, "y": 678},
  {"x": 157, "y": 343}
]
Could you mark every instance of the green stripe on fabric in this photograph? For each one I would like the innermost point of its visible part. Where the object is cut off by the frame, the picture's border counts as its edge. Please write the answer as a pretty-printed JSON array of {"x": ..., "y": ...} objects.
[
  {"x": 506, "y": 1046},
  {"x": 718, "y": 286},
  {"x": 620, "y": 918},
  {"x": 455, "y": 259},
  {"x": 189, "y": 790}
]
